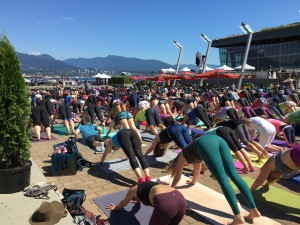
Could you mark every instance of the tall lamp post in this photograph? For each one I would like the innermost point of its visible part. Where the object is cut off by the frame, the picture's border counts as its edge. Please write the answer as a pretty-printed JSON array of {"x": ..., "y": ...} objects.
[
  {"x": 247, "y": 30},
  {"x": 178, "y": 61},
  {"x": 208, "y": 41}
]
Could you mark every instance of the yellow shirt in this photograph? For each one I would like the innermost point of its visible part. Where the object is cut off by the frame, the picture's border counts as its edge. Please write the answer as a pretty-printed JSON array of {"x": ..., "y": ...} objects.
[{"x": 140, "y": 116}]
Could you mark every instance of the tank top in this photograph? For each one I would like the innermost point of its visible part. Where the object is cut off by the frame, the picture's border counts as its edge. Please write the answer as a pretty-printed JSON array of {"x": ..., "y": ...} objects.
[
  {"x": 164, "y": 137},
  {"x": 143, "y": 191},
  {"x": 190, "y": 153}
]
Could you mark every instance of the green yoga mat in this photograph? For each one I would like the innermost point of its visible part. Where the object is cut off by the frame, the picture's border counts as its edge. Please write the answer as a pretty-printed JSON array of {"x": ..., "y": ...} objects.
[
  {"x": 275, "y": 197},
  {"x": 60, "y": 130}
]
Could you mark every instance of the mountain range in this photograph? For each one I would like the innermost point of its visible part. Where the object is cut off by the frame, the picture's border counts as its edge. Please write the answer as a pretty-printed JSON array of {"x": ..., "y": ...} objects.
[{"x": 46, "y": 63}]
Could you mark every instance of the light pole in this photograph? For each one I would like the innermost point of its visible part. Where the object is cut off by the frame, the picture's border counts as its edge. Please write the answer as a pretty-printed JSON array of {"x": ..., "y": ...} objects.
[
  {"x": 178, "y": 61},
  {"x": 247, "y": 30},
  {"x": 208, "y": 41}
]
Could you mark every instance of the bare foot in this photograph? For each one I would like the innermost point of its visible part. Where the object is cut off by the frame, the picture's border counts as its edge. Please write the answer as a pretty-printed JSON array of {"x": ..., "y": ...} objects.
[
  {"x": 245, "y": 170},
  {"x": 251, "y": 167},
  {"x": 253, "y": 213},
  {"x": 238, "y": 219}
]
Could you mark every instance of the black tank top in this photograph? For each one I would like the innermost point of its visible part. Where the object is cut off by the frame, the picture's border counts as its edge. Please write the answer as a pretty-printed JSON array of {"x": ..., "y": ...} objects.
[
  {"x": 164, "y": 137},
  {"x": 190, "y": 153},
  {"x": 143, "y": 191}
]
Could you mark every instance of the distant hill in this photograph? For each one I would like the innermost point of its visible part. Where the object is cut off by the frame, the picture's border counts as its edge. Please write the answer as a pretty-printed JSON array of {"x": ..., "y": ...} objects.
[
  {"x": 119, "y": 63},
  {"x": 45, "y": 63},
  {"x": 42, "y": 62}
]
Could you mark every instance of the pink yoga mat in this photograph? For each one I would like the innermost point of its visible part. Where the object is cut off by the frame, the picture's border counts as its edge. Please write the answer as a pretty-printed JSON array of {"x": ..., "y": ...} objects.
[{"x": 239, "y": 166}]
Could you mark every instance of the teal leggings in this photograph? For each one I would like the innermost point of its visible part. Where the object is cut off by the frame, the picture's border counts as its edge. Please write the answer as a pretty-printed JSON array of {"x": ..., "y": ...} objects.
[{"x": 218, "y": 160}]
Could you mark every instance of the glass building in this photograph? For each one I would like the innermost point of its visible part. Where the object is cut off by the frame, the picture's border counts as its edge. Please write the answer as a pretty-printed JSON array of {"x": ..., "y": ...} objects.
[{"x": 278, "y": 47}]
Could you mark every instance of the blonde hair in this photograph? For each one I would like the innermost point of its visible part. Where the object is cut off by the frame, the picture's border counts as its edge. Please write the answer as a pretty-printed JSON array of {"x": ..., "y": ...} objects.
[{"x": 171, "y": 168}]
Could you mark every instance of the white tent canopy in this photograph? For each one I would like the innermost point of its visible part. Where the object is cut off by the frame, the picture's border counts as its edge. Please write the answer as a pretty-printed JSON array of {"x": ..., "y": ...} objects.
[
  {"x": 224, "y": 67},
  {"x": 101, "y": 75},
  {"x": 27, "y": 81},
  {"x": 185, "y": 69},
  {"x": 207, "y": 68},
  {"x": 247, "y": 67},
  {"x": 170, "y": 70}
]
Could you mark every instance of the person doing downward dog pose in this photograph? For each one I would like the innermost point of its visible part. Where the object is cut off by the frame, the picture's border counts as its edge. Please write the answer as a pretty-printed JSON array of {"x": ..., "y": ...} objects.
[
  {"x": 214, "y": 151},
  {"x": 285, "y": 163},
  {"x": 266, "y": 131},
  {"x": 241, "y": 130},
  {"x": 287, "y": 131},
  {"x": 174, "y": 132},
  {"x": 169, "y": 204},
  {"x": 234, "y": 144},
  {"x": 198, "y": 112},
  {"x": 129, "y": 141}
]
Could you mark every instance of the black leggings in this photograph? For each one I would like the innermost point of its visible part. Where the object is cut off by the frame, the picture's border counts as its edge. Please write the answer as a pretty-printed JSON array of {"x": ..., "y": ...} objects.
[
  {"x": 229, "y": 136},
  {"x": 94, "y": 109},
  {"x": 289, "y": 133},
  {"x": 203, "y": 116},
  {"x": 232, "y": 113},
  {"x": 65, "y": 112},
  {"x": 39, "y": 115},
  {"x": 132, "y": 147}
]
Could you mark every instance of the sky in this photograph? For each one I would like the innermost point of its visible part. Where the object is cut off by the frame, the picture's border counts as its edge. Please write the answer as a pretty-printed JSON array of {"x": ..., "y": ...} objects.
[{"x": 135, "y": 28}]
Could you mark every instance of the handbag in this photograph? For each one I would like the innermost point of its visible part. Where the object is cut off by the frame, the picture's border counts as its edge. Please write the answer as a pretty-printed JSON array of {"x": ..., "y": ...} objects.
[{"x": 65, "y": 163}]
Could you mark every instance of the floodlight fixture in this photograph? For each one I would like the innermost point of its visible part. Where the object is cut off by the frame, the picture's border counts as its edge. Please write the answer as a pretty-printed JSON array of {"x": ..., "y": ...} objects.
[
  {"x": 205, "y": 38},
  {"x": 177, "y": 44},
  {"x": 246, "y": 28}
]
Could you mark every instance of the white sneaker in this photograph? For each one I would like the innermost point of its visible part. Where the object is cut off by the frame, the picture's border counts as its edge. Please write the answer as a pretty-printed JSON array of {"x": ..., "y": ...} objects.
[{"x": 99, "y": 148}]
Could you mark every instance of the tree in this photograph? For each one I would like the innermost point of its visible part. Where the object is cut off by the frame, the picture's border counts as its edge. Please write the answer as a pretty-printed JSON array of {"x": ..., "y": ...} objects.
[{"x": 15, "y": 109}]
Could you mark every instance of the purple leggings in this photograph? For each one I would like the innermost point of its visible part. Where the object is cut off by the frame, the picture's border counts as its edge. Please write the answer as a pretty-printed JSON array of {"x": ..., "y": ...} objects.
[{"x": 169, "y": 209}]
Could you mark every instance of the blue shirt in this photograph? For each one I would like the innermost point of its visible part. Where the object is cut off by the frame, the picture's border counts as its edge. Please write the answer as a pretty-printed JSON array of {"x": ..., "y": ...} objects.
[
  {"x": 87, "y": 131},
  {"x": 115, "y": 140}
]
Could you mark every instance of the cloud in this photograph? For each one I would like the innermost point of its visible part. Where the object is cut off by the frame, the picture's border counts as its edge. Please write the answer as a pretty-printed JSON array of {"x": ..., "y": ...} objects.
[
  {"x": 68, "y": 18},
  {"x": 34, "y": 53}
]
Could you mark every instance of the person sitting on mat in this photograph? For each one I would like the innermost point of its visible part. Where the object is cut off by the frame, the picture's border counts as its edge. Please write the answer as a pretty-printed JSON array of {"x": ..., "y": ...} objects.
[
  {"x": 89, "y": 134},
  {"x": 214, "y": 151},
  {"x": 168, "y": 203},
  {"x": 173, "y": 132},
  {"x": 129, "y": 141},
  {"x": 283, "y": 164},
  {"x": 235, "y": 145}
]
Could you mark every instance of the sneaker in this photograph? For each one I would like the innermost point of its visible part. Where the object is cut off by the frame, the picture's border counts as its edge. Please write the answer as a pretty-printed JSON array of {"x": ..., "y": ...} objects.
[
  {"x": 148, "y": 178},
  {"x": 99, "y": 149}
]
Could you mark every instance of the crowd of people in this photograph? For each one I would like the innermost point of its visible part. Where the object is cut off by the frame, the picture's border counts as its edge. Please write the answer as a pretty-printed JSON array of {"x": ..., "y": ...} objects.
[{"x": 234, "y": 120}]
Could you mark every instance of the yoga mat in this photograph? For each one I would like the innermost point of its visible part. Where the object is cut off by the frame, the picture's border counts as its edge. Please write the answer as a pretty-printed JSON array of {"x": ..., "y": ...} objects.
[
  {"x": 43, "y": 138},
  {"x": 132, "y": 214},
  {"x": 147, "y": 137},
  {"x": 275, "y": 197},
  {"x": 118, "y": 164},
  {"x": 295, "y": 179},
  {"x": 111, "y": 134},
  {"x": 276, "y": 142},
  {"x": 254, "y": 159},
  {"x": 60, "y": 130},
  {"x": 197, "y": 131},
  {"x": 211, "y": 204},
  {"x": 239, "y": 166}
]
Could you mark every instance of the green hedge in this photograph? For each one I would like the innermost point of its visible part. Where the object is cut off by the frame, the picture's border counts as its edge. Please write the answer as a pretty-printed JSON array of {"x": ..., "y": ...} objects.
[{"x": 121, "y": 80}]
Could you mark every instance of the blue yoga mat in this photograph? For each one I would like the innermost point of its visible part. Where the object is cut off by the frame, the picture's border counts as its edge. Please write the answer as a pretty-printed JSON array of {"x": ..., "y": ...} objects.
[
  {"x": 295, "y": 179},
  {"x": 198, "y": 131},
  {"x": 132, "y": 214},
  {"x": 147, "y": 137}
]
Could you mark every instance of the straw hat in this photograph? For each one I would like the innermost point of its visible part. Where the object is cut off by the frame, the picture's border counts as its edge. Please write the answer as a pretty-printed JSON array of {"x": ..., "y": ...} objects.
[{"x": 48, "y": 213}]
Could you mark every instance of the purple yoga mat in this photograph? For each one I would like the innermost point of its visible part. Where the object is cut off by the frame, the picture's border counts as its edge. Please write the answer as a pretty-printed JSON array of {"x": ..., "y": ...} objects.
[
  {"x": 43, "y": 138},
  {"x": 132, "y": 214},
  {"x": 277, "y": 142},
  {"x": 198, "y": 131}
]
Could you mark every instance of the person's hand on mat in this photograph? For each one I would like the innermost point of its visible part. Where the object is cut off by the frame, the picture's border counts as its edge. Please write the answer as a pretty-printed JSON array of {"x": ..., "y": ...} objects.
[{"x": 111, "y": 207}]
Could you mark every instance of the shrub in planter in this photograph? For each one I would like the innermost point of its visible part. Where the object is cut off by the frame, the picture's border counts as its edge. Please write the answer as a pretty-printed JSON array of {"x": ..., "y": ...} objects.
[{"x": 15, "y": 113}]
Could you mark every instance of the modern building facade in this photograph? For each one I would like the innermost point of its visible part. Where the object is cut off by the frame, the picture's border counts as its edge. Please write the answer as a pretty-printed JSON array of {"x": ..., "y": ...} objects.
[{"x": 277, "y": 46}]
